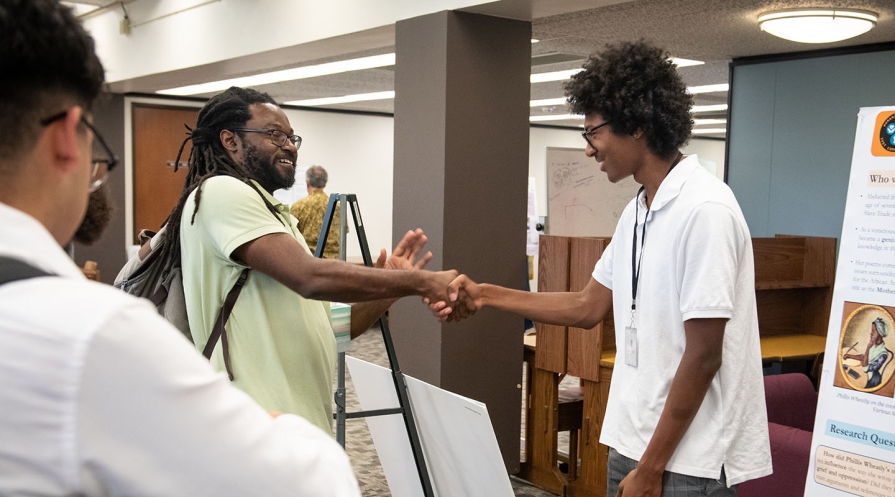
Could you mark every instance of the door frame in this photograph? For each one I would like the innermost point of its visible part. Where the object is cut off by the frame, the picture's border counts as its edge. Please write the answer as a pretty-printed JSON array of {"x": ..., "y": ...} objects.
[{"x": 129, "y": 102}]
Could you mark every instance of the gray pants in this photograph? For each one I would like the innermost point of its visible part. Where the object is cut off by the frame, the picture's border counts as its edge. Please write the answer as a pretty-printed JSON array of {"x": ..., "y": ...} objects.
[{"x": 673, "y": 484}]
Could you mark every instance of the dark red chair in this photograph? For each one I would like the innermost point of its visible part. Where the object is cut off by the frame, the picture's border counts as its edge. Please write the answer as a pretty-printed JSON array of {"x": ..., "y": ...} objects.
[{"x": 791, "y": 402}]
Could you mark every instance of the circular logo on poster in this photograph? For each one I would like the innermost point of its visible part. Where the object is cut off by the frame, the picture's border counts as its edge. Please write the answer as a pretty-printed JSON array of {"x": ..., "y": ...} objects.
[
  {"x": 887, "y": 134},
  {"x": 865, "y": 348}
]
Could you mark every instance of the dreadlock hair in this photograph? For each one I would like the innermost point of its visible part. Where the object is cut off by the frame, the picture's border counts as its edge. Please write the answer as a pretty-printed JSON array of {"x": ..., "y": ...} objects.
[
  {"x": 635, "y": 85},
  {"x": 208, "y": 157}
]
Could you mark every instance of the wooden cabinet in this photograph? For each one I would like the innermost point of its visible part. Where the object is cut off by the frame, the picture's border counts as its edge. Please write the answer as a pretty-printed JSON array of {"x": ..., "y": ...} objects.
[{"x": 794, "y": 284}]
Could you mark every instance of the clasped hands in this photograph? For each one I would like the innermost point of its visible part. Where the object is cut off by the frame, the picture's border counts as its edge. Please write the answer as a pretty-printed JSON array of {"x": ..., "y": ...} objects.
[
  {"x": 453, "y": 296},
  {"x": 465, "y": 298}
]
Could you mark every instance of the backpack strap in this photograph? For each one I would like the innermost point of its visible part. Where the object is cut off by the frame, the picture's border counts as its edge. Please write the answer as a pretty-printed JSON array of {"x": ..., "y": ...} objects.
[
  {"x": 218, "y": 330},
  {"x": 15, "y": 270}
]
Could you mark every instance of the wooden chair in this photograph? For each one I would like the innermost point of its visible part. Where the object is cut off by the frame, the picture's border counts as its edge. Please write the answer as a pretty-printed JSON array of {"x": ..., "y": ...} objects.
[{"x": 570, "y": 412}]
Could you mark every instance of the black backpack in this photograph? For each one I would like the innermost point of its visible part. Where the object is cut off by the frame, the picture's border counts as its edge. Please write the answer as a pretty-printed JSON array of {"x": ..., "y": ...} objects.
[{"x": 159, "y": 278}]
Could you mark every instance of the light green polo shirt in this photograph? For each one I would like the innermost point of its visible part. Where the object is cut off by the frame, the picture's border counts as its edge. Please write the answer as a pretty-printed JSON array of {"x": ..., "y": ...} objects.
[{"x": 282, "y": 348}]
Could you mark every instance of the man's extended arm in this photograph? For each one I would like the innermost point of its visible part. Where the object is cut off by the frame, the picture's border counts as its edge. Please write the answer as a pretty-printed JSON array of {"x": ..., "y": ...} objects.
[
  {"x": 279, "y": 256},
  {"x": 699, "y": 364},
  {"x": 584, "y": 309}
]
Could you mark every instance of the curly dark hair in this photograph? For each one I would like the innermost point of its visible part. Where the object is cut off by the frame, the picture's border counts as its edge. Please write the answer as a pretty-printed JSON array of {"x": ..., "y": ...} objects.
[
  {"x": 635, "y": 86},
  {"x": 208, "y": 157},
  {"x": 47, "y": 62}
]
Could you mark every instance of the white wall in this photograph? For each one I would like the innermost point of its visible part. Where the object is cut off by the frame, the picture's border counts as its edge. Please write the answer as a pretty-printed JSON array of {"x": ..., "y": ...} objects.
[
  {"x": 710, "y": 152},
  {"x": 357, "y": 152}
]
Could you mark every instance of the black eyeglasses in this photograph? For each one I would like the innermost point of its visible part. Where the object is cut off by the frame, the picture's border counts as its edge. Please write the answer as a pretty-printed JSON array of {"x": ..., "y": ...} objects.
[
  {"x": 276, "y": 136},
  {"x": 104, "y": 160},
  {"x": 587, "y": 134}
]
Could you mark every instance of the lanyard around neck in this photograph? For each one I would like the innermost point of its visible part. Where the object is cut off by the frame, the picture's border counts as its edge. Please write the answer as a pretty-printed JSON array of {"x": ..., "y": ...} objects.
[{"x": 636, "y": 265}]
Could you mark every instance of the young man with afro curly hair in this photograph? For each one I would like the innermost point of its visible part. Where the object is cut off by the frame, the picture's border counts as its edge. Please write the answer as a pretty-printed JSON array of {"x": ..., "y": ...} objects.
[{"x": 686, "y": 413}]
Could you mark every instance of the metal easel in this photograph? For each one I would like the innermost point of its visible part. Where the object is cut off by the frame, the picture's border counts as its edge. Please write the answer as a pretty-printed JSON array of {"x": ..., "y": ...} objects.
[{"x": 404, "y": 408}]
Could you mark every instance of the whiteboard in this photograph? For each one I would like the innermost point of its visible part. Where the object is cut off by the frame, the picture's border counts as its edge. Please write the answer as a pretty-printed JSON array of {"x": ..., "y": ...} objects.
[{"x": 581, "y": 201}]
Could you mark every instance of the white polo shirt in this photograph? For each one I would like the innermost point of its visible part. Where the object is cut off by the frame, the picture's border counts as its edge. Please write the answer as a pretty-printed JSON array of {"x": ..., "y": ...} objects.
[
  {"x": 101, "y": 396},
  {"x": 697, "y": 263}
]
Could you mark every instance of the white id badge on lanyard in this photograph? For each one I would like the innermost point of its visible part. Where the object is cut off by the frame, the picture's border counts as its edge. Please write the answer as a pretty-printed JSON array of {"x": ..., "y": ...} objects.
[{"x": 631, "y": 346}]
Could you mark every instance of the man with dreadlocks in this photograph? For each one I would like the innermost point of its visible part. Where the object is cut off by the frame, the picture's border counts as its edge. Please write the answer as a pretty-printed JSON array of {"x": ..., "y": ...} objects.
[
  {"x": 679, "y": 420},
  {"x": 99, "y": 395},
  {"x": 279, "y": 345}
]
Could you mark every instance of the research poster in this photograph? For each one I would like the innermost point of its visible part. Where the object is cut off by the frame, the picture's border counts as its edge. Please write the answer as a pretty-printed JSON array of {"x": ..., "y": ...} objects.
[{"x": 853, "y": 448}]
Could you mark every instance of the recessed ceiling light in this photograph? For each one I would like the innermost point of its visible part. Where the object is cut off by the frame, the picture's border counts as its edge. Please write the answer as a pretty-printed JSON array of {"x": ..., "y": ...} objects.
[
  {"x": 702, "y": 122},
  {"x": 360, "y": 97},
  {"x": 554, "y": 76},
  {"x": 287, "y": 75},
  {"x": 709, "y": 131},
  {"x": 707, "y": 88},
  {"x": 708, "y": 108},
  {"x": 685, "y": 62},
  {"x": 555, "y": 117},
  {"x": 547, "y": 101},
  {"x": 535, "y": 40},
  {"x": 817, "y": 25},
  {"x": 563, "y": 75}
]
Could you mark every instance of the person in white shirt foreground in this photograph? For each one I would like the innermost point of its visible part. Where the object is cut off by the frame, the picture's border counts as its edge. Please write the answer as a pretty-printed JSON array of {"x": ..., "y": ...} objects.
[
  {"x": 686, "y": 413},
  {"x": 99, "y": 394}
]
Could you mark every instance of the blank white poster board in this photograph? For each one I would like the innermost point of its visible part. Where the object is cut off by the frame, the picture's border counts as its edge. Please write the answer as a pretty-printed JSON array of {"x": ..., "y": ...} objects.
[
  {"x": 581, "y": 201},
  {"x": 455, "y": 432}
]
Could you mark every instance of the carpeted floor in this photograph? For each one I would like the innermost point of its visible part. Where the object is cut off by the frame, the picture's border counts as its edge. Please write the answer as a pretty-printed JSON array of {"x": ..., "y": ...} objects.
[{"x": 359, "y": 444}]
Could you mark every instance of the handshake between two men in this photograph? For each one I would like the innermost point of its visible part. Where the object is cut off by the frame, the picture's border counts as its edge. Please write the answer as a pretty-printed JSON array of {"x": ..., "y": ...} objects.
[{"x": 451, "y": 296}]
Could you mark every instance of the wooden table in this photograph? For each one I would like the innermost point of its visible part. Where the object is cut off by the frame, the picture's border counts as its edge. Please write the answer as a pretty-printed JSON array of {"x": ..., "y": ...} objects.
[{"x": 778, "y": 348}]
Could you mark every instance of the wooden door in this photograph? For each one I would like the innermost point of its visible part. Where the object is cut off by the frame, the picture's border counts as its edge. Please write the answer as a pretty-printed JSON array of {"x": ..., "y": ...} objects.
[{"x": 158, "y": 133}]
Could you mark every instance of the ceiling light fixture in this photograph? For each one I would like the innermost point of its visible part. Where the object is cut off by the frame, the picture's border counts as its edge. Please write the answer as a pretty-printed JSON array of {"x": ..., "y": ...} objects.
[
  {"x": 709, "y": 131},
  {"x": 707, "y": 88},
  {"x": 686, "y": 62},
  {"x": 547, "y": 102},
  {"x": 555, "y": 117},
  {"x": 554, "y": 76},
  {"x": 708, "y": 108},
  {"x": 563, "y": 75},
  {"x": 817, "y": 25},
  {"x": 360, "y": 97},
  {"x": 701, "y": 122},
  {"x": 287, "y": 75},
  {"x": 535, "y": 40}
]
